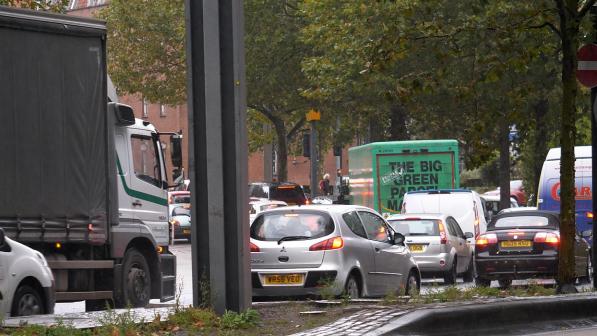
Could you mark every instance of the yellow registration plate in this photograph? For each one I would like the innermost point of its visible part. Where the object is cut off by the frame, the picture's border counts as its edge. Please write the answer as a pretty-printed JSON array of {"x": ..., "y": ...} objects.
[
  {"x": 416, "y": 247},
  {"x": 186, "y": 231},
  {"x": 284, "y": 279},
  {"x": 516, "y": 243}
]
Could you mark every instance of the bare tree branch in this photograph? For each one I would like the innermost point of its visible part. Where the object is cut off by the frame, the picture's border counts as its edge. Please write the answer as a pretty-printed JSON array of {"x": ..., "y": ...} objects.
[
  {"x": 299, "y": 124},
  {"x": 549, "y": 25}
]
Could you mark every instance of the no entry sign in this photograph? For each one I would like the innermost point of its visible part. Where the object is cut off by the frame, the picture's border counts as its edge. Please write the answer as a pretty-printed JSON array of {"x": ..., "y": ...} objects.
[{"x": 587, "y": 65}]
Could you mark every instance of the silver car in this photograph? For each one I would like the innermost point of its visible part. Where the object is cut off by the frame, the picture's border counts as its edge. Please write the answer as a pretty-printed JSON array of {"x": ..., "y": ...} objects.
[
  {"x": 438, "y": 245},
  {"x": 348, "y": 249},
  {"x": 180, "y": 219}
]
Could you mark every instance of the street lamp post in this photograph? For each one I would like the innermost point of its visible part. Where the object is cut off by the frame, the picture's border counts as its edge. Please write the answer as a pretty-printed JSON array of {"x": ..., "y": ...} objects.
[{"x": 313, "y": 117}]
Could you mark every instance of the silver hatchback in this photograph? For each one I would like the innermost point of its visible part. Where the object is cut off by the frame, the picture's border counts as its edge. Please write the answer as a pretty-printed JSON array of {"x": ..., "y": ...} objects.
[
  {"x": 438, "y": 245},
  {"x": 349, "y": 249}
]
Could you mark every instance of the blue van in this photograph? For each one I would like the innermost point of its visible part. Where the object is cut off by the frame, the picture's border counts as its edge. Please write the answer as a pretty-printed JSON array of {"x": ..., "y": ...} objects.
[{"x": 549, "y": 186}]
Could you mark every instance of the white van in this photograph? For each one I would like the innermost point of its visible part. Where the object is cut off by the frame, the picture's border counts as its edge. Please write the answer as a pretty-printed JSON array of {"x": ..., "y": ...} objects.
[
  {"x": 26, "y": 281},
  {"x": 465, "y": 206}
]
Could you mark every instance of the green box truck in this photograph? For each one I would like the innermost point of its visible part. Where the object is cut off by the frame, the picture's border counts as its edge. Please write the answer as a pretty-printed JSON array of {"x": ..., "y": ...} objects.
[{"x": 382, "y": 172}]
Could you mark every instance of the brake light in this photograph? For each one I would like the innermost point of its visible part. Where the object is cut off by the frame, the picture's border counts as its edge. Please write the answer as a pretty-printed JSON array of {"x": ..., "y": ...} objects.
[
  {"x": 329, "y": 244},
  {"x": 551, "y": 238},
  {"x": 174, "y": 222},
  {"x": 443, "y": 239},
  {"x": 589, "y": 214},
  {"x": 486, "y": 239},
  {"x": 254, "y": 248}
]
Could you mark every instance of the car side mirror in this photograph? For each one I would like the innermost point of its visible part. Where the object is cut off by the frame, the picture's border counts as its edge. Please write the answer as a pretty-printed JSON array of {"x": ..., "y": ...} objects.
[
  {"x": 398, "y": 238},
  {"x": 587, "y": 233},
  {"x": 2, "y": 238},
  {"x": 468, "y": 235}
]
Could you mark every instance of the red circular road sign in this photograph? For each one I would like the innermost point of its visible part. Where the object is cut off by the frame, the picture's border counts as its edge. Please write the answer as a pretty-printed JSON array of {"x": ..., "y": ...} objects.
[{"x": 587, "y": 65}]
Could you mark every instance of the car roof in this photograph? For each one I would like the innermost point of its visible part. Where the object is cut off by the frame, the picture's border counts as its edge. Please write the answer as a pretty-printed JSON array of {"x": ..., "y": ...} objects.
[
  {"x": 492, "y": 197},
  {"x": 179, "y": 192},
  {"x": 330, "y": 208},
  {"x": 275, "y": 184},
  {"x": 417, "y": 215},
  {"x": 439, "y": 191},
  {"x": 516, "y": 209},
  {"x": 265, "y": 202},
  {"x": 553, "y": 216},
  {"x": 525, "y": 212}
]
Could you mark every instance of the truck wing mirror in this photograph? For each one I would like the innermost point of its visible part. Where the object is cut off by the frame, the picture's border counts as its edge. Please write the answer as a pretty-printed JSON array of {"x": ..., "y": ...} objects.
[
  {"x": 124, "y": 114},
  {"x": 176, "y": 150}
]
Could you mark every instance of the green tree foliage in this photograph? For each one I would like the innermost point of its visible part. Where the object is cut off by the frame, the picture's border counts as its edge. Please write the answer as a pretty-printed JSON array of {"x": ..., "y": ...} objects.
[
  {"x": 146, "y": 52},
  {"x": 274, "y": 77},
  {"x": 428, "y": 69},
  {"x": 46, "y": 5},
  {"x": 146, "y": 55}
]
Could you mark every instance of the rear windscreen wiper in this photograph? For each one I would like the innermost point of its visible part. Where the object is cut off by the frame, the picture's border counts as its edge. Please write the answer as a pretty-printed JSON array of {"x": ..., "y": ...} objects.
[{"x": 292, "y": 238}]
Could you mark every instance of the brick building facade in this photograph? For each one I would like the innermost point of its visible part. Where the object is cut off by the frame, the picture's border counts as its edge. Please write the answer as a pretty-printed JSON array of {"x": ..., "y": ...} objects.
[{"x": 175, "y": 118}]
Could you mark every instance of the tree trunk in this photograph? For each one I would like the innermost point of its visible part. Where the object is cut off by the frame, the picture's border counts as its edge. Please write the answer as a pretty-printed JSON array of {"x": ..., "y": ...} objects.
[
  {"x": 569, "y": 30},
  {"x": 281, "y": 150},
  {"x": 398, "y": 130},
  {"x": 376, "y": 129},
  {"x": 504, "y": 164}
]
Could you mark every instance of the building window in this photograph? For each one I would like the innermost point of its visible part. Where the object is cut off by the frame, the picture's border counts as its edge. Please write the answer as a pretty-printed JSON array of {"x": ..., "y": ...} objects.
[
  {"x": 162, "y": 110},
  {"x": 145, "y": 108}
]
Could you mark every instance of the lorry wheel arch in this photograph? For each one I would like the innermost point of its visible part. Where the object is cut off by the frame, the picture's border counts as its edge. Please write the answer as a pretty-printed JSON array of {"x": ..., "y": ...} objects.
[{"x": 148, "y": 251}]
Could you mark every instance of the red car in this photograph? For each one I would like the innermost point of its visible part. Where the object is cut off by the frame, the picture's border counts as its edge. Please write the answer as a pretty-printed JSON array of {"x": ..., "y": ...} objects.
[
  {"x": 516, "y": 192},
  {"x": 177, "y": 197}
]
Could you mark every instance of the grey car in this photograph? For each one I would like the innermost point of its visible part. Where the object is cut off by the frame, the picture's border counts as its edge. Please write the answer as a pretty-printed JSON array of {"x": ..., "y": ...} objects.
[
  {"x": 299, "y": 250},
  {"x": 437, "y": 244}
]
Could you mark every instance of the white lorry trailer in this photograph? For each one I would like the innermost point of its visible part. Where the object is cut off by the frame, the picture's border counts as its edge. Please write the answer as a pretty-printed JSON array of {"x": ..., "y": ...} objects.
[{"x": 81, "y": 180}]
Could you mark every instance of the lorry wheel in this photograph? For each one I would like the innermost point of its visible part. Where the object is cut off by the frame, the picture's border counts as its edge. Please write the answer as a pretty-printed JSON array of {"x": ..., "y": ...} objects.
[
  {"x": 482, "y": 282},
  {"x": 98, "y": 305},
  {"x": 27, "y": 301},
  {"x": 136, "y": 280},
  {"x": 505, "y": 283}
]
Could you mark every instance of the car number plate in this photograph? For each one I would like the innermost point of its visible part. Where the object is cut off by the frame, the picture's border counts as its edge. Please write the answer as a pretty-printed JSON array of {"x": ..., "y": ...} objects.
[
  {"x": 186, "y": 231},
  {"x": 284, "y": 279},
  {"x": 516, "y": 243},
  {"x": 416, "y": 247}
]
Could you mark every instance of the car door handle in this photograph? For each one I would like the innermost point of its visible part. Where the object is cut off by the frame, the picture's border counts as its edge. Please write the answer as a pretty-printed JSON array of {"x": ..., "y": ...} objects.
[
  {"x": 137, "y": 203},
  {"x": 377, "y": 249}
]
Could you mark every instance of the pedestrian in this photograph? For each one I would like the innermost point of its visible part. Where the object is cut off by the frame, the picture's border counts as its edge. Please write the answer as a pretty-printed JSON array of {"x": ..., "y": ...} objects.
[{"x": 324, "y": 184}]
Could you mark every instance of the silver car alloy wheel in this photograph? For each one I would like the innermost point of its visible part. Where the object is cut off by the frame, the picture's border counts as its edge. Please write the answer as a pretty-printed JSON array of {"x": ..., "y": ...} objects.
[
  {"x": 29, "y": 304},
  {"x": 412, "y": 285},
  {"x": 352, "y": 288}
]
